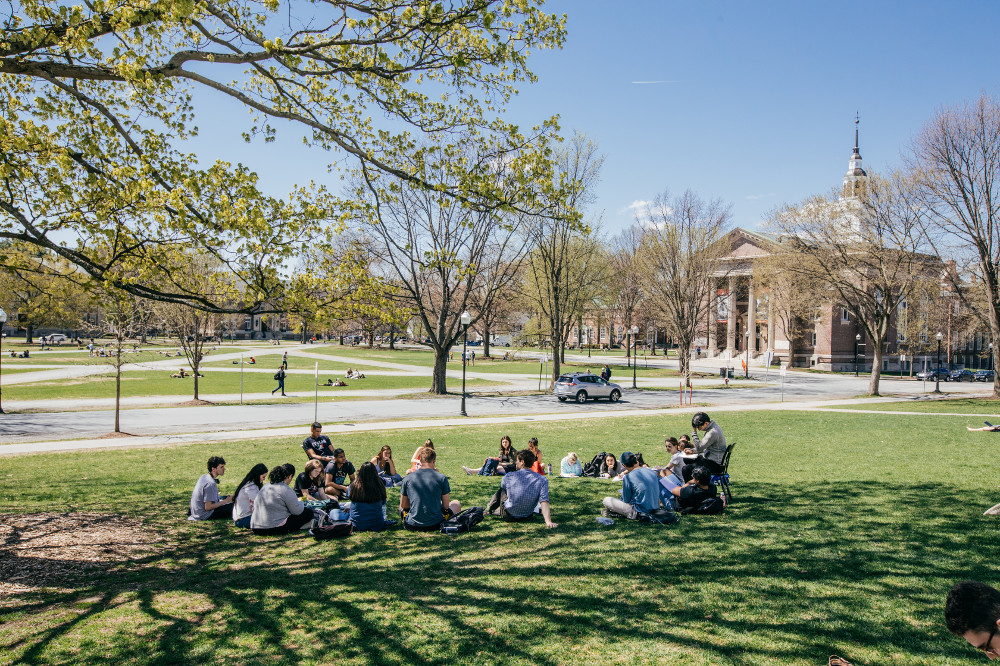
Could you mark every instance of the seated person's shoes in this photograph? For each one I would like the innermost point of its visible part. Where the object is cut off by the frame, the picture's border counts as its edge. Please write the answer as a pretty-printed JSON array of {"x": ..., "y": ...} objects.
[
  {"x": 838, "y": 661},
  {"x": 390, "y": 523}
]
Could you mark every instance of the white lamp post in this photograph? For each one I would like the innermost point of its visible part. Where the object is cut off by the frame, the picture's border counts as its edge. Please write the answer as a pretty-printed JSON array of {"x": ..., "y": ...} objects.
[
  {"x": 937, "y": 373},
  {"x": 466, "y": 319}
]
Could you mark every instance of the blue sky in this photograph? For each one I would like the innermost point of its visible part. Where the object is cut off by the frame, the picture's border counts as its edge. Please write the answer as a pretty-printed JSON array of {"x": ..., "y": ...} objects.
[{"x": 755, "y": 102}]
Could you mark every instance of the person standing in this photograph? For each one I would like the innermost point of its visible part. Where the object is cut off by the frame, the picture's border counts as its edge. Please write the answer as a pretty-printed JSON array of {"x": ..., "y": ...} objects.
[
  {"x": 711, "y": 449},
  {"x": 284, "y": 361},
  {"x": 280, "y": 376},
  {"x": 205, "y": 501},
  {"x": 640, "y": 492}
]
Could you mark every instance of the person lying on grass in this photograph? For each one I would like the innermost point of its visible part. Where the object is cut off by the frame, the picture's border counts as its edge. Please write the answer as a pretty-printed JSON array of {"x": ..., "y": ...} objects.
[
  {"x": 425, "y": 496},
  {"x": 205, "y": 501},
  {"x": 640, "y": 492},
  {"x": 246, "y": 493},
  {"x": 277, "y": 510},
  {"x": 972, "y": 611},
  {"x": 338, "y": 471},
  {"x": 309, "y": 484},
  {"x": 695, "y": 491},
  {"x": 501, "y": 464},
  {"x": 989, "y": 427},
  {"x": 368, "y": 500},
  {"x": 520, "y": 492},
  {"x": 611, "y": 468}
]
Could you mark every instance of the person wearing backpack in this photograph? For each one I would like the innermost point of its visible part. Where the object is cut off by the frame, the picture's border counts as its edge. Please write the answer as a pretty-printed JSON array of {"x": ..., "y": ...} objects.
[
  {"x": 695, "y": 491},
  {"x": 280, "y": 376},
  {"x": 640, "y": 492},
  {"x": 520, "y": 492}
]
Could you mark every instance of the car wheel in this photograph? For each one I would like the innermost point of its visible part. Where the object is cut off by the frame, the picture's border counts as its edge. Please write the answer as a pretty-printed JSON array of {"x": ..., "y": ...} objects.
[
  {"x": 581, "y": 397},
  {"x": 562, "y": 398},
  {"x": 615, "y": 395}
]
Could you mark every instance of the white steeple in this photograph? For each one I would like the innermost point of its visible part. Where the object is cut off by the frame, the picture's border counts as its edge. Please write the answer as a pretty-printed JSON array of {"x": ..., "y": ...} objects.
[{"x": 856, "y": 177}]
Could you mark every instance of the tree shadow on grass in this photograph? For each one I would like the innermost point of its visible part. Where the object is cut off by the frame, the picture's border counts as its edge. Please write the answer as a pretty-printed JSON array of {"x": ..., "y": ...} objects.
[{"x": 785, "y": 576}]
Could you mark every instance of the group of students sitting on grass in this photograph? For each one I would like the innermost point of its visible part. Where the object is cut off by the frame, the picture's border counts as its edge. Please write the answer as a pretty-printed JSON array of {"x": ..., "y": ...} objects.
[{"x": 286, "y": 504}]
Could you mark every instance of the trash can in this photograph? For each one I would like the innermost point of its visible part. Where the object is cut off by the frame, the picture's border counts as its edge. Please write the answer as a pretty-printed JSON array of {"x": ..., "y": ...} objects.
[{"x": 722, "y": 372}]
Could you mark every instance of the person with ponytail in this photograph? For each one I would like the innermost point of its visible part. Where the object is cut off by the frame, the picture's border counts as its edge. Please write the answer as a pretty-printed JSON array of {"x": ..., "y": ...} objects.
[
  {"x": 246, "y": 494},
  {"x": 277, "y": 510}
]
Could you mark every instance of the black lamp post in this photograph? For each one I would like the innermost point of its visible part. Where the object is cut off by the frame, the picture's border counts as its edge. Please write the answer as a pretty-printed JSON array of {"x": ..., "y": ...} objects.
[
  {"x": 937, "y": 373},
  {"x": 3, "y": 320},
  {"x": 746, "y": 370},
  {"x": 589, "y": 343},
  {"x": 857, "y": 341},
  {"x": 466, "y": 319},
  {"x": 991, "y": 356},
  {"x": 635, "y": 347}
]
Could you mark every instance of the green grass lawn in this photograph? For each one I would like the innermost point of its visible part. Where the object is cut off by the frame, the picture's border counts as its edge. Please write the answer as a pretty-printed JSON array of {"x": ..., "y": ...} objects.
[
  {"x": 844, "y": 538},
  {"x": 294, "y": 363},
  {"x": 159, "y": 382},
  {"x": 940, "y": 406}
]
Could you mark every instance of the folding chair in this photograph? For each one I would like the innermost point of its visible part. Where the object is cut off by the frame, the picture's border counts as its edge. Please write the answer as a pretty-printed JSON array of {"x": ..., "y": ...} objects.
[{"x": 722, "y": 478}]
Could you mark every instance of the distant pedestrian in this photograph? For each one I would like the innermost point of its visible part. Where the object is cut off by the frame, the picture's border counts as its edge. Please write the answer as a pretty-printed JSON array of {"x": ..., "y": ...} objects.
[
  {"x": 284, "y": 360},
  {"x": 280, "y": 376}
]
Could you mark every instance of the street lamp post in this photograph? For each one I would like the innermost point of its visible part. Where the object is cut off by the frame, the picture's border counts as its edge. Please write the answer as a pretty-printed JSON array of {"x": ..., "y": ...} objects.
[
  {"x": 857, "y": 341},
  {"x": 3, "y": 320},
  {"x": 590, "y": 344},
  {"x": 991, "y": 356},
  {"x": 937, "y": 373},
  {"x": 635, "y": 347},
  {"x": 466, "y": 319}
]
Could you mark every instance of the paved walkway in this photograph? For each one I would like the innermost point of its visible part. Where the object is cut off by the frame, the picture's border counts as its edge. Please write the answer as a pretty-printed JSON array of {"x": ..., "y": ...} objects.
[{"x": 428, "y": 425}]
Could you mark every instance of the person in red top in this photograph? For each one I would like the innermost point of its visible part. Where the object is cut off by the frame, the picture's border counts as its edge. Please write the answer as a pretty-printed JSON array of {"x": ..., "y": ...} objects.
[{"x": 537, "y": 465}]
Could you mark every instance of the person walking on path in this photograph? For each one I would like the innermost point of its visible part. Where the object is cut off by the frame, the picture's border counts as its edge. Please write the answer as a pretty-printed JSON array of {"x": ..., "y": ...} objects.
[
  {"x": 280, "y": 376},
  {"x": 284, "y": 361}
]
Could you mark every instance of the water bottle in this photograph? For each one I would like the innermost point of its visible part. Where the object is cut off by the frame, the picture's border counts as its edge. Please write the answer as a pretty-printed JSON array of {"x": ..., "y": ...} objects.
[
  {"x": 550, "y": 469},
  {"x": 605, "y": 521}
]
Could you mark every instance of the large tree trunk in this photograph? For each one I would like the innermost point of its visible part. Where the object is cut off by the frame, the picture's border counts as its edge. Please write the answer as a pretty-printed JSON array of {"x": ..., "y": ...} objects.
[
  {"x": 876, "y": 368},
  {"x": 486, "y": 342},
  {"x": 684, "y": 362},
  {"x": 392, "y": 337},
  {"x": 439, "y": 385},
  {"x": 29, "y": 332}
]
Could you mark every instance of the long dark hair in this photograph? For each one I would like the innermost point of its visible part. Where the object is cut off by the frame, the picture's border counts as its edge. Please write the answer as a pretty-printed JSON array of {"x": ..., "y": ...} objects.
[
  {"x": 253, "y": 476},
  {"x": 383, "y": 466},
  {"x": 510, "y": 446},
  {"x": 367, "y": 487},
  {"x": 281, "y": 472}
]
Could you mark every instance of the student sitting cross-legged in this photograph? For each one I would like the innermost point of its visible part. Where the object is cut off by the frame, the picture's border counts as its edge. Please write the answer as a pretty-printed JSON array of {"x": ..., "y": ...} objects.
[
  {"x": 368, "y": 500},
  {"x": 521, "y": 491},
  {"x": 339, "y": 475},
  {"x": 640, "y": 492},
  {"x": 425, "y": 496},
  {"x": 205, "y": 501},
  {"x": 277, "y": 510}
]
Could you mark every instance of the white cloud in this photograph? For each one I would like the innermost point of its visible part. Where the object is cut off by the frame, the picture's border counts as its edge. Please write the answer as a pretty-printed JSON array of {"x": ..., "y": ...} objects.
[{"x": 635, "y": 207}]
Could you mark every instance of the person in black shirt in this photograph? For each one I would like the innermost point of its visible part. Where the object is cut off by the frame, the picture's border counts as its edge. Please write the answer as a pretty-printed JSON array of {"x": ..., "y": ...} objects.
[
  {"x": 338, "y": 471},
  {"x": 695, "y": 491},
  {"x": 318, "y": 446},
  {"x": 309, "y": 484}
]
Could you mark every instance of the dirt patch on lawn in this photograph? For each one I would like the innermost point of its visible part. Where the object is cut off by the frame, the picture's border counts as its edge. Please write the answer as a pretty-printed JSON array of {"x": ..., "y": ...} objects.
[
  {"x": 52, "y": 549},
  {"x": 194, "y": 403}
]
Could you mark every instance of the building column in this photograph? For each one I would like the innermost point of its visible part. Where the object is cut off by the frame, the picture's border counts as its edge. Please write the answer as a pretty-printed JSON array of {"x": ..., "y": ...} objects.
[
  {"x": 751, "y": 319},
  {"x": 713, "y": 322},
  {"x": 731, "y": 324},
  {"x": 770, "y": 323}
]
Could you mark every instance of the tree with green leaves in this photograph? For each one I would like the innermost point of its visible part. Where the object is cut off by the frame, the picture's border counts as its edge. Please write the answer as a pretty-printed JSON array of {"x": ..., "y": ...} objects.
[{"x": 101, "y": 102}]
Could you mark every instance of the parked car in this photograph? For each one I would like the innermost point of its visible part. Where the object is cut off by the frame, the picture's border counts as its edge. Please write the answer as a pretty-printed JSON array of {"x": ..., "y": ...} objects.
[
  {"x": 54, "y": 339},
  {"x": 983, "y": 376},
  {"x": 931, "y": 374},
  {"x": 961, "y": 376},
  {"x": 583, "y": 386}
]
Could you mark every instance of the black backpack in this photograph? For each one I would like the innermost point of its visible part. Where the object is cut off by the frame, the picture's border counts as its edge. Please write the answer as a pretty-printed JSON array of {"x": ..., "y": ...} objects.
[
  {"x": 709, "y": 507},
  {"x": 332, "y": 530},
  {"x": 659, "y": 517},
  {"x": 463, "y": 522},
  {"x": 593, "y": 468}
]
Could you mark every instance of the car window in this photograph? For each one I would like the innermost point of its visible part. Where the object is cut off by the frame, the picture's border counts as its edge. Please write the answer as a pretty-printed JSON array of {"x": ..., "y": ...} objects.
[{"x": 566, "y": 379}]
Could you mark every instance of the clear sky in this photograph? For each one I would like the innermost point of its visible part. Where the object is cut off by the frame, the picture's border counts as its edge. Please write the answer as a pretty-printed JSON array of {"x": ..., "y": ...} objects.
[{"x": 751, "y": 102}]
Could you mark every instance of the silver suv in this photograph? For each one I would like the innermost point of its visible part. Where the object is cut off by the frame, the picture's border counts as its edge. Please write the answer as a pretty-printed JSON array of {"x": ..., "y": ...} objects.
[{"x": 583, "y": 385}]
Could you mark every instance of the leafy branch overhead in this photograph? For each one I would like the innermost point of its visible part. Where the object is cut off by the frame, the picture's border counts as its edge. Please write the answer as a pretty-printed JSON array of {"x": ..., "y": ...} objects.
[{"x": 100, "y": 111}]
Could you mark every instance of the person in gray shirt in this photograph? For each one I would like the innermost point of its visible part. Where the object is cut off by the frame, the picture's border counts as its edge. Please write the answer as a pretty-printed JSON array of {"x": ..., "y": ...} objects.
[
  {"x": 205, "y": 501},
  {"x": 277, "y": 510},
  {"x": 425, "y": 496},
  {"x": 711, "y": 448}
]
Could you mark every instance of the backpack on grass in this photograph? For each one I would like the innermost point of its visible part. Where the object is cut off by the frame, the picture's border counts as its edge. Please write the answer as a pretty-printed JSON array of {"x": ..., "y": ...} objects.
[
  {"x": 464, "y": 521},
  {"x": 593, "y": 468},
  {"x": 659, "y": 517},
  {"x": 710, "y": 507}
]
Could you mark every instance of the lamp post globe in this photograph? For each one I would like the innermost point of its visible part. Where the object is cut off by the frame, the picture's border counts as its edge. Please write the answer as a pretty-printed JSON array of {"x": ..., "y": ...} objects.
[
  {"x": 937, "y": 372},
  {"x": 3, "y": 320},
  {"x": 465, "y": 320}
]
